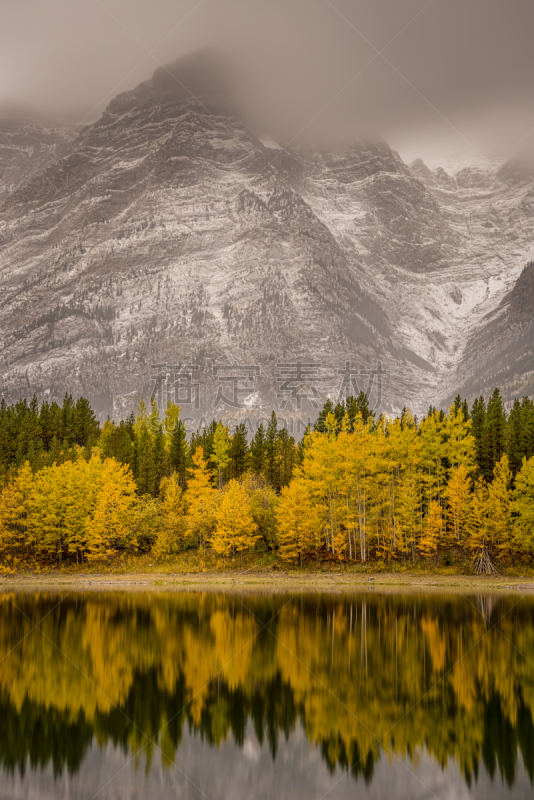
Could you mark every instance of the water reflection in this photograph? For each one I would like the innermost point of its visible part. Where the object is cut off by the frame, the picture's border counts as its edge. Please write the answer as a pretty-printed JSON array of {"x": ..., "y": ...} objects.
[{"x": 193, "y": 695}]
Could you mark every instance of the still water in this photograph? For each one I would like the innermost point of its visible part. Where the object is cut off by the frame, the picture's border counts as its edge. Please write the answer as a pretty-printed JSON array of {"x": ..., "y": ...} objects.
[{"x": 259, "y": 695}]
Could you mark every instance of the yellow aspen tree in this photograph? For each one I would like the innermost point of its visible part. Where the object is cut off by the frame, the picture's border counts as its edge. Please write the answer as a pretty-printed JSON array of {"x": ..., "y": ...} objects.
[
  {"x": 80, "y": 487},
  {"x": 263, "y": 505},
  {"x": 478, "y": 519},
  {"x": 499, "y": 512},
  {"x": 15, "y": 511},
  {"x": 8, "y": 539},
  {"x": 49, "y": 500},
  {"x": 523, "y": 507},
  {"x": 360, "y": 469},
  {"x": 432, "y": 454},
  {"x": 221, "y": 453},
  {"x": 298, "y": 527},
  {"x": 201, "y": 498},
  {"x": 351, "y": 453},
  {"x": 405, "y": 493},
  {"x": 236, "y": 530},
  {"x": 170, "y": 536},
  {"x": 432, "y": 532},
  {"x": 459, "y": 442},
  {"x": 408, "y": 513},
  {"x": 320, "y": 470},
  {"x": 459, "y": 506},
  {"x": 382, "y": 466},
  {"x": 478, "y": 539},
  {"x": 109, "y": 525}
]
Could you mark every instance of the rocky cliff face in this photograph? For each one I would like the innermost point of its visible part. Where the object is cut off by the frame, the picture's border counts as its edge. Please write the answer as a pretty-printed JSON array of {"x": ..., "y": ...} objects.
[
  {"x": 27, "y": 148},
  {"x": 171, "y": 234}
]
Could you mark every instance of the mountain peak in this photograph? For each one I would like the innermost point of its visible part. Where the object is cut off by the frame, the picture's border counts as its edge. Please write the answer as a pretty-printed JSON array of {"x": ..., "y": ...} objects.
[{"x": 203, "y": 75}]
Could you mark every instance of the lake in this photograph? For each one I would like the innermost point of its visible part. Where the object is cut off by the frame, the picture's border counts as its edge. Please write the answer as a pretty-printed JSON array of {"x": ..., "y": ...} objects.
[{"x": 265, "y": 695}]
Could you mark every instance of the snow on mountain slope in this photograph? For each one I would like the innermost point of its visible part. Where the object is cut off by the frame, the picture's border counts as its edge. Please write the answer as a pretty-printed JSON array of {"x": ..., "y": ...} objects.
[
  {"x": 171, "y": 233},
  {"x": 27, "y": 148}
]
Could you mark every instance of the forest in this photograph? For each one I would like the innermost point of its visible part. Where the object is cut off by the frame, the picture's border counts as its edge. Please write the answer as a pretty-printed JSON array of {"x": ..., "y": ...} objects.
[{"x": 453, "y": 488}]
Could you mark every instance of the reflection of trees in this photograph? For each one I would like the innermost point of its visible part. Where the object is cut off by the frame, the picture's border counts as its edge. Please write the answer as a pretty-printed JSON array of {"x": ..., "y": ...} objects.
[{"x": 362, "y": 673}]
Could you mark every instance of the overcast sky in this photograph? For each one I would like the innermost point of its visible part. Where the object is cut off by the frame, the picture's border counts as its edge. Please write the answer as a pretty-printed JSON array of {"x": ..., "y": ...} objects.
[{"x": 438, "y": 77}]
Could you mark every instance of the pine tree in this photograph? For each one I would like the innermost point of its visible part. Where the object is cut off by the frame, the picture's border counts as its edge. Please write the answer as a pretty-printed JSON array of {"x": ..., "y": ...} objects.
[
  {"x": 494, "y": 434},
  {"x": 179, "y": 452},
  {"x": 239, "y": 452},
  {"x": 145, "y": 464},
  {"x": 478, "y": 418},
  {"x": 257, "y": 451},
  {"x": 271, "y": 465},
  {"x": 287, "y": 457},
  {"x": 85, "y": 427},
  {"x": 359, "y": 407}
]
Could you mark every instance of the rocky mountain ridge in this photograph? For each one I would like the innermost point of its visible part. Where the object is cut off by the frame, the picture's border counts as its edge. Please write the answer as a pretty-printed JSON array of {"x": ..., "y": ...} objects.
[{"x": 172, "y": 234}]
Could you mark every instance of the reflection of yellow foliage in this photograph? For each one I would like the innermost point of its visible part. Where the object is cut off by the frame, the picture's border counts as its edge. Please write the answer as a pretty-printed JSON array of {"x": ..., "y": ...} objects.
[
  {"x": 358, "y": 669},
  {"x": 436, "y": 642}
]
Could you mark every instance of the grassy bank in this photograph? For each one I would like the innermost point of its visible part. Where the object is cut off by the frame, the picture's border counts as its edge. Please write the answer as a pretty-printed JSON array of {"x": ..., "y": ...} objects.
[{"x": 194, "y": 570}]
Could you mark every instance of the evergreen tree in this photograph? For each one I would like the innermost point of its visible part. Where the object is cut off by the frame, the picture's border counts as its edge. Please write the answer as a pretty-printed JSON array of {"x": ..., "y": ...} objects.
[
  {"x": 179, "y": 452},
  {"x": 478, "y": 418},
  {"x": 327, "y": 409},
  {"x": 145, "y": 464},
  {"x": 239, "y": 452},
  {"x": 271, "y": 465},
  {"x": 85, "y": 427},
  {"x": 494, "y": 434},
  {"x": 287, "y": 456},
  {"x": 257, "y": 451}
]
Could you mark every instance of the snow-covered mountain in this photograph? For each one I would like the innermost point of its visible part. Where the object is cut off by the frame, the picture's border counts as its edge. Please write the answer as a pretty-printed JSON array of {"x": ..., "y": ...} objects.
[{"x": 172, "y": 234}]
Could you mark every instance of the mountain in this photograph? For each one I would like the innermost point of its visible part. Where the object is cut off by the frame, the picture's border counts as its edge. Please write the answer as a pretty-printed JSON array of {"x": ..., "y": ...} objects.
[
  {"x": 172, "y": 233},
  {"x": 28, "y": 145}
]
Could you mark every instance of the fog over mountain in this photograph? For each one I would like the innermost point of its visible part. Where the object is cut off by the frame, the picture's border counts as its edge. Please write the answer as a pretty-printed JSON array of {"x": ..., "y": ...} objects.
[{"x": 433, "y": 78}]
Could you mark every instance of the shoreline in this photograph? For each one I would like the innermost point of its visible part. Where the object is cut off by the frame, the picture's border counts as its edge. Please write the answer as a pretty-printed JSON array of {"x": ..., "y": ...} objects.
[{"x": 345, "y": 582}]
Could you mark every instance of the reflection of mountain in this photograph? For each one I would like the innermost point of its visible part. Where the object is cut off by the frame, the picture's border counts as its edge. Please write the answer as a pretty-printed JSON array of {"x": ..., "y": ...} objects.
[
  {"x": 137, "y": 671},
  {"x": 230, "y": 771},
  {"x": 171, "y": 233}
]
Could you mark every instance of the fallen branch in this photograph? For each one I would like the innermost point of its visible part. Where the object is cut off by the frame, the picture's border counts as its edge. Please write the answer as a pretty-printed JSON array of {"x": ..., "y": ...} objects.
[{"x": 483, "y": 565}]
